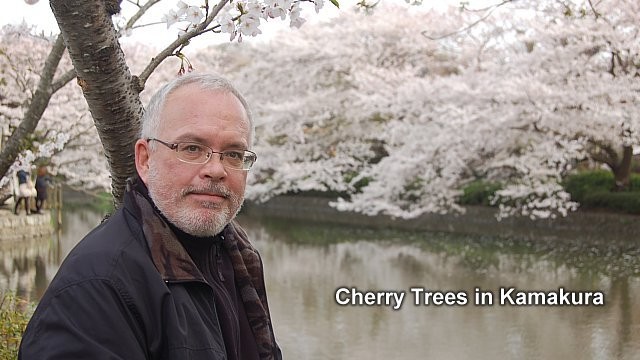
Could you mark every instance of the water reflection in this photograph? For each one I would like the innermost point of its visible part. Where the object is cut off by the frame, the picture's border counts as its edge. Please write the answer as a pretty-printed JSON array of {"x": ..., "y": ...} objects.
[
  {"x": 303, "y": 276},
  {"x": 305, "y": 263},
  {"x": 27, "y": 267}
]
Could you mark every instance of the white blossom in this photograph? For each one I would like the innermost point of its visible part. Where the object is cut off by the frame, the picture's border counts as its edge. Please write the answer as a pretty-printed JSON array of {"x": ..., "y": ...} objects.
[
  {"x": 171, "y": 18},
  {"x": 183, "y": 8},
  {"x": 294, "y": 16},
  {"x": 249, "y": 24},
  {"x": 194, "y": 15}
]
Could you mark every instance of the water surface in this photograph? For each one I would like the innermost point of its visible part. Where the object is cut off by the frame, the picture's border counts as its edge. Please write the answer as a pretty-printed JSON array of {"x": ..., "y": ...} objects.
[{"x": 306, "y": 262}]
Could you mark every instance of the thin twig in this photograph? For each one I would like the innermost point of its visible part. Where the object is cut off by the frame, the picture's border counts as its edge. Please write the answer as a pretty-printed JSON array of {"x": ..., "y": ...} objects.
[
  {"x": 141, "y": 11},
  {"x": 489, "y": 9},
  {"x": 179, "y": 43}
]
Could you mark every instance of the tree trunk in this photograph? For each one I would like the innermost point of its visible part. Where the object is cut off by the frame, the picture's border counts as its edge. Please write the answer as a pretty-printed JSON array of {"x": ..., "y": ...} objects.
[
  {"x": 622, "y": 171},
  {"x": 112, "y": 93},
  {"x": 37, "y": 106}
]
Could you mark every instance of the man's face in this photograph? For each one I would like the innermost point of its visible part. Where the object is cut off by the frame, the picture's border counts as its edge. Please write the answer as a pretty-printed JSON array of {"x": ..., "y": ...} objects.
[{"x": 200, "y": 199}]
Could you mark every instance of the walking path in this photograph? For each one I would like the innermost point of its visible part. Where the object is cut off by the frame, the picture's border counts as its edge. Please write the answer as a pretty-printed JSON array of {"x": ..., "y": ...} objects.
[{"x": 18, "y": 227}]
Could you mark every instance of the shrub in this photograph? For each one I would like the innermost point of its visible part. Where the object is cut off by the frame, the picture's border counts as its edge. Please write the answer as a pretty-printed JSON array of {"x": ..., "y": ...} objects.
[
  {"x": 14, "y": 316},
  {"x": 628, "y": 202},
  {"x": 578, "y": 185},
  {"x": 593, "y": 189},
  {"x": 635, "y": 182},
  {"x": 479, "y": 192}
]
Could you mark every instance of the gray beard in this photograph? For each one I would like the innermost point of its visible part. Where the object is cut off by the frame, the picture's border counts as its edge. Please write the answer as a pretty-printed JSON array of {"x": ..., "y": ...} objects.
[{"x": 167, "y": 201}]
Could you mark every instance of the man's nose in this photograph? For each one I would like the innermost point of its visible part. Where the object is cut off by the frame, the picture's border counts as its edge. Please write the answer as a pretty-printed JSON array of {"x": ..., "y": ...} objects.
[{"x": 214, "y": 168}]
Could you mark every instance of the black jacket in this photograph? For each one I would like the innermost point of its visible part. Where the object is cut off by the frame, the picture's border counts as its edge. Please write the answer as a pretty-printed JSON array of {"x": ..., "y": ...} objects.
[{"x": 128, "y": 290}]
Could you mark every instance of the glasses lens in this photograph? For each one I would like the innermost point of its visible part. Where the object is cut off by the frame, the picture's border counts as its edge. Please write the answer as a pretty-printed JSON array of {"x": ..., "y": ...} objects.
[
  {"x": 249, "y": 159},
  {"x": 192, "y": 152},
  {"x": 241, "y": 160}
]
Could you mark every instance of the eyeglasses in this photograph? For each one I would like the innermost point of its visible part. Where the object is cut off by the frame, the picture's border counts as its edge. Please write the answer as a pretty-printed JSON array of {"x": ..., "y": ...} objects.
[{"x": 194, "y": 153}]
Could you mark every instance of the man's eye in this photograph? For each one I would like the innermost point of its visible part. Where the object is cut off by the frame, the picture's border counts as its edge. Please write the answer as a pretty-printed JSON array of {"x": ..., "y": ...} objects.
[
  {"x": 233, "y": 155},
  {"x": 192, "y": 148}
]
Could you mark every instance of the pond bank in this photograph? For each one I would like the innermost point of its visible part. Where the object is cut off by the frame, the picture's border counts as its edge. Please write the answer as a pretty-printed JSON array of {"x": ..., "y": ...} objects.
[
  {"x": 20, "y": 227},
  {"x": 581, "y": 225}
]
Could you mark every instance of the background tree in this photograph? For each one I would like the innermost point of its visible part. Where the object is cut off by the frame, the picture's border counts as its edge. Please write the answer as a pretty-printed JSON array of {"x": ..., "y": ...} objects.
[
  {"x": 401, "y": 118},
  {"x": 111, "y": 92},
  {"x": 27, "y": 92}
]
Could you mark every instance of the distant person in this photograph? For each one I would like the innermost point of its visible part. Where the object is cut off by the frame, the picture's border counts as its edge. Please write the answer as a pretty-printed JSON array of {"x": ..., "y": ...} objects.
[
  {"x": 25, "y": 191},
  {"x": 170, "y": 275},
  {"x": 43, "y": 181}
]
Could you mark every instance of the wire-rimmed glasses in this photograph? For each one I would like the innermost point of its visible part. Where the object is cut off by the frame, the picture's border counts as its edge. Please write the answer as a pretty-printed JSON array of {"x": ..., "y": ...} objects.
[{"x": 196, "y": 153}]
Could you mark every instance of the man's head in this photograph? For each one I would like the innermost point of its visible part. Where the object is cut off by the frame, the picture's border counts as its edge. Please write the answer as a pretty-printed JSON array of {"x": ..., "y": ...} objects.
[{"x": 196, "y": 111}]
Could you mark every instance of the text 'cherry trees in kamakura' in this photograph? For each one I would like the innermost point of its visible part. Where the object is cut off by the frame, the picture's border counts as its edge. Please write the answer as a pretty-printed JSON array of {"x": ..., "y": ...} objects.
[{"x": 400, "y": 108}]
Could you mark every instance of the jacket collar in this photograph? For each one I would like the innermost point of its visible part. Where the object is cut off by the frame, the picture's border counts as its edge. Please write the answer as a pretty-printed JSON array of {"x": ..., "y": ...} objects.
[{"x": 174, "y": 263}]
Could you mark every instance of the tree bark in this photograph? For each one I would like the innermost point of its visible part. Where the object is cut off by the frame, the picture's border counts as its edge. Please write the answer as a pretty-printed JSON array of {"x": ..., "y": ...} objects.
[
  {"x": 622, "y": 170},
  {"x": 110, "y": 90},
  {"x": 39, "y": 102}
]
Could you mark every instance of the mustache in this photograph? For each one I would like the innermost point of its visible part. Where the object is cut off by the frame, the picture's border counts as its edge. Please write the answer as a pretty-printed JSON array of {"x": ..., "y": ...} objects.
[{"x": 211, "y": 188}]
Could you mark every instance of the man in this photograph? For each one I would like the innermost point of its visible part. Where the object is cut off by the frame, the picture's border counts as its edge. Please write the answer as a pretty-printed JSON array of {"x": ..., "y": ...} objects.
[{"x": 169, "y": 275}]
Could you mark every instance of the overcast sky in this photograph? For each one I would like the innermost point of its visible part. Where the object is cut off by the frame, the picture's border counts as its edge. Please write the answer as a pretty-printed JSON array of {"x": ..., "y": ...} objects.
[{"x": 40, "y": 15}]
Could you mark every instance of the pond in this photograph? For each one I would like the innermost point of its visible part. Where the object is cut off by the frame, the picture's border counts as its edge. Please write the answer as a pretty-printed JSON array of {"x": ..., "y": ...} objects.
[{"x": 306, "y": 263}]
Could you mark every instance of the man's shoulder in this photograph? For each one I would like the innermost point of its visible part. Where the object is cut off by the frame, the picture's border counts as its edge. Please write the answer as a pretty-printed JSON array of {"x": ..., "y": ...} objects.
[
  {"x": 110, "y": 237},
  {"x": 111, "y": 248}
]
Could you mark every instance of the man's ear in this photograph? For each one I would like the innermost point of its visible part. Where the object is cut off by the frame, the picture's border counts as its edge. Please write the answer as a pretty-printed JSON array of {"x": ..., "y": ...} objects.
[{"x": 142, "y": 159}]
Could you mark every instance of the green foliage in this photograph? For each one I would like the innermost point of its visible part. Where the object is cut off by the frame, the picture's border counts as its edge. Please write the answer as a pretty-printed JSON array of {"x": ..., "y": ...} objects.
[
  {"x": 358, "y": 185},
  {"x": 101, "y": 202},
  {"x": 413, "y": 190},
  {"x": 628, "y": 202},
  {"x": 634, "y": 183},
  {"x": 578, "y": 185},
  {"x": 14, "y": 316},
  {"x": 593, "y": 189},
  {"x": 479, "y": 192},
  {"x": 104, "y": 202}
]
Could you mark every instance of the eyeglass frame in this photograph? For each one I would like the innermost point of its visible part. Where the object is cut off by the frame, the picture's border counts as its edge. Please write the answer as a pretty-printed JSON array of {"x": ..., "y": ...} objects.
[{"x": 174, "y": 147}]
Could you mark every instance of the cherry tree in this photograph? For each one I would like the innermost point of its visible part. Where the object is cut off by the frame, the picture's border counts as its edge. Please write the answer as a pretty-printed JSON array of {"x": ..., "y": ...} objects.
[
  {"x": 65, "y": 138},
  {"x": 400, "y": 116},
  {"x": 552, "y": 85},
  {"x": 567, "y": 89},
  {"x": 314, "y": 131},
  {"x": 27, "y": 93},
  {"x": 22, "y": 54}
]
